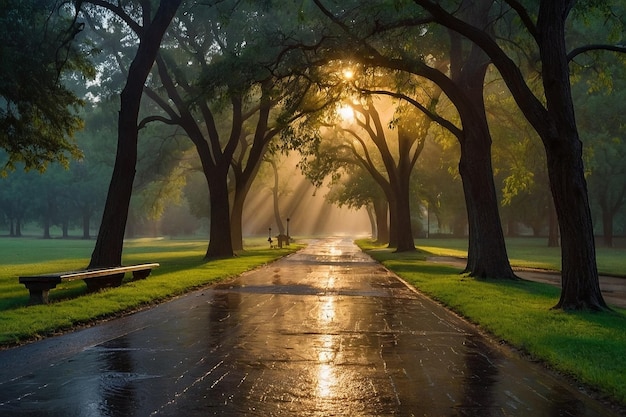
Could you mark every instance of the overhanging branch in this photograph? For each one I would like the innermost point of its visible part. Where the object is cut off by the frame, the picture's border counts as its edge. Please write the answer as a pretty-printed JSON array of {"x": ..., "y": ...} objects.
[{"x": 595, "y": 47}]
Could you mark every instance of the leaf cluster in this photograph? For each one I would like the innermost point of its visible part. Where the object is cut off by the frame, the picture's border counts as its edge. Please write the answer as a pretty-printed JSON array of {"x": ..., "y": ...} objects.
[{"x": 38, "y": 113}]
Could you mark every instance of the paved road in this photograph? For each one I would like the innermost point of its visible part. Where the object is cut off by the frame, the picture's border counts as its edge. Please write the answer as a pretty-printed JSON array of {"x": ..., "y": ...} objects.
[{"x": 325, "y": 332}]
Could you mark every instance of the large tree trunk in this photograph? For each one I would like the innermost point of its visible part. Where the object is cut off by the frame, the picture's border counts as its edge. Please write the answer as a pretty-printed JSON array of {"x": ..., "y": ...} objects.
[
  {"x": 110, "y": 241},
  {"x": 580, "y": 284},
  {"x": 407, "y": 137},
  {"x": 236, "y": 227},
  {"x": 220, "y": 240},
  {"x": 487, "y": 256},
  {"x": 405, "y": 242}
]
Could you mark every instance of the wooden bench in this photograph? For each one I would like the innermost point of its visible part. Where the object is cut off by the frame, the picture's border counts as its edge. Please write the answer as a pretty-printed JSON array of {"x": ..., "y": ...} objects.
[{"x": 96, "y": 279}]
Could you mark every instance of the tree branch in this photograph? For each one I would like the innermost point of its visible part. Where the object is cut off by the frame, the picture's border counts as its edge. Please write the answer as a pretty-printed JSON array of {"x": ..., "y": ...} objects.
[
  {"x": 524, "y": 16},
  {"x": 144, "y": 122},
  {"x": 433, "y": 116},
  {"x": 595, "y": 47},
  {"x": 119, "y": 12}
]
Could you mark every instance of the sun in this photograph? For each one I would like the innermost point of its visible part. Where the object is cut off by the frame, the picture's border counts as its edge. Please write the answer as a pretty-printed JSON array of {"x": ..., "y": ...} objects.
[
  {"x": 346, "y": 113},
  {"x": 348, "y": 74}
]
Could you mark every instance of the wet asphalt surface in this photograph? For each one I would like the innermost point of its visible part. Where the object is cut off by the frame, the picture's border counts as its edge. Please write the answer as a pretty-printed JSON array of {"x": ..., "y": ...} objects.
[{"x": 324, "y": 332}]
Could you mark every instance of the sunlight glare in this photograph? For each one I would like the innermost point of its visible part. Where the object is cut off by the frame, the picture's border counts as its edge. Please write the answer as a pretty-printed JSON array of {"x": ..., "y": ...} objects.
[
  {"x": 326, "y": 378},
  {"x": 327, "y": 312},
  {"x": 346, "y": 113},
  {"x": 334, "y": 251}
]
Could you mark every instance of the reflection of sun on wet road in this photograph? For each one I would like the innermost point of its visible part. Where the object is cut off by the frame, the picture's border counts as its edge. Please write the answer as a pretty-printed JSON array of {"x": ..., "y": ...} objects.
[{"x": 325, "y": 332}]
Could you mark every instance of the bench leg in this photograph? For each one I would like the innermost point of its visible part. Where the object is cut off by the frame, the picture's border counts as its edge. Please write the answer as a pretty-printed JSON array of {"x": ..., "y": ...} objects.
[
  {"x": 141, "y": 274},
  {"x": 96, "y": 284},
  {"x": 38, "y": 296},
  {"x": 39, "y": 292}
]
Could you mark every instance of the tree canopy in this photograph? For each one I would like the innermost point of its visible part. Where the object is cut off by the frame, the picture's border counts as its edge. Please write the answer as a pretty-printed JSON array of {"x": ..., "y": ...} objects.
[{"x": 38, "y": 113}]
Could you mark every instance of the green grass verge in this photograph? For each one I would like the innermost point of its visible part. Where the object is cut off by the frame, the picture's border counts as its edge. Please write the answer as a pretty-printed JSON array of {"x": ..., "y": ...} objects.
[
  {"x": 182, "y": 269},
  {"x": 531, "y": 253},
  {"x": 588, "y": 346}
]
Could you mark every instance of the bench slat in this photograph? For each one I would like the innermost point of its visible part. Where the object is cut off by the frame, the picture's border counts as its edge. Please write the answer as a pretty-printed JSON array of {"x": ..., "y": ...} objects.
[
  {"x": 96, "y": 279},
  {"x": 88, "y": 273}
]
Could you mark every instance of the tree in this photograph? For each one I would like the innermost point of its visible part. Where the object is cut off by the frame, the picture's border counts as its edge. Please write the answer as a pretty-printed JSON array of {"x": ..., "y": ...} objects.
[
  {"x": 372, "y": 43},
  {"x": 110, "y": 241},
  {"x": 235, "y": 98},
  {"x": 73, "y": 196},
  {"x": 38, "y": 114},
  {"x": 411, "y": 129},
  {"x": 555, "y": 123},
  {"x": 15, "y": 201},
  {"x": 357, "y": 189}
]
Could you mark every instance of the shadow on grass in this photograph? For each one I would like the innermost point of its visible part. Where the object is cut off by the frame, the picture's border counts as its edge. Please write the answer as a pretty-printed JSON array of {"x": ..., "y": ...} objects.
[{"x": 16, "y": 295}]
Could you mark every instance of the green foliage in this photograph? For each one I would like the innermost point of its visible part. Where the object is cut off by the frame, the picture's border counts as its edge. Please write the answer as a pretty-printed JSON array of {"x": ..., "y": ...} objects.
[
  {"x": 38, "y": 114},
  {"x": 355, "y": 189},
  {"x": 604, "y": 143}
]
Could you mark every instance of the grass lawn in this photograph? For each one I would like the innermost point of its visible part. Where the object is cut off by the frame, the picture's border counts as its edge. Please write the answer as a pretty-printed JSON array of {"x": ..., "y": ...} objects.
[
  {"x": 532, "y": 253},
  {"x": 182, "y": 269},
  {"x": 590, "y": 347}
]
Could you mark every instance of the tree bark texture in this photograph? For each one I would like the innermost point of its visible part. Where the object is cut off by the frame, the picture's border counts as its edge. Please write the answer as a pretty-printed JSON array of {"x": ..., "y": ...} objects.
[
  {"x": 220, "y": 240},
  {"x": 236, "y": 227},
  {"x": 405, "y": 242},
  {"x": 110, "y": 241},
  {"x": 487, "y": 255},
  {"x": 402, "y": 180},
  {"x": 580, "y": 283}
]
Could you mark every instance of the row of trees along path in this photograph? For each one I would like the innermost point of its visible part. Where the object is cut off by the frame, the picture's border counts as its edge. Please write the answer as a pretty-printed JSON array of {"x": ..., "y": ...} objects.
[{"x": 275, "y": 55}]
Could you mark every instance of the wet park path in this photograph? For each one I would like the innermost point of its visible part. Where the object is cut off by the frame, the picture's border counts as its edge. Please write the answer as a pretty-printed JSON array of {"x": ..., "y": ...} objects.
[{"x": 324, "y": 332}]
